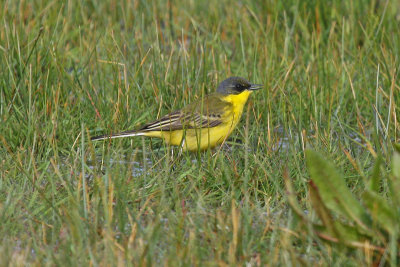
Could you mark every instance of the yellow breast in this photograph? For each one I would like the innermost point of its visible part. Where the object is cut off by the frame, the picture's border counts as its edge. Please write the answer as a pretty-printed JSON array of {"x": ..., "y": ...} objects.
[{"x": 238, "y": 101}]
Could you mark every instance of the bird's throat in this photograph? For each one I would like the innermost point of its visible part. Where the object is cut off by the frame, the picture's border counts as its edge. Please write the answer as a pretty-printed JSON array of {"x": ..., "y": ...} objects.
[{"x": 238, "y": 100}]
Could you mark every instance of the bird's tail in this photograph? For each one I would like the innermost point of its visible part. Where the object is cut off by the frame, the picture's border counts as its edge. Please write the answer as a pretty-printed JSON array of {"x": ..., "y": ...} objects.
[{"x": 117, "y": 135}]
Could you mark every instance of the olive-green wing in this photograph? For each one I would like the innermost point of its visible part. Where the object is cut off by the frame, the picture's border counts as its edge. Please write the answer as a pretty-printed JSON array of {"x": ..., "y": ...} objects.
[{"x": 206, "y": 113}]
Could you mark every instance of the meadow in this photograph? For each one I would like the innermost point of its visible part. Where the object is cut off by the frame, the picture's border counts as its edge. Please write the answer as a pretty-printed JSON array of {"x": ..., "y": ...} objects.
[{"x": 70, "y": 70}]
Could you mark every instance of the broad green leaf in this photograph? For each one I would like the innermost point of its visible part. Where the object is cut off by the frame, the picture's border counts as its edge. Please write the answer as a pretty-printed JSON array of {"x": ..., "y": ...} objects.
[
  {"x": 381, "y": 211},
  {"x": 397, "y": 147},
  {"x": 334, "y": 192},
  {"x": 396, "y": 164},
  {"x": 349, "y": 234},
  {"x": 394, "y": 179},
  {"x": 333, "y": 228},
  {"x": 323, "y": 212},
  {"x": 375, "y": 181}
]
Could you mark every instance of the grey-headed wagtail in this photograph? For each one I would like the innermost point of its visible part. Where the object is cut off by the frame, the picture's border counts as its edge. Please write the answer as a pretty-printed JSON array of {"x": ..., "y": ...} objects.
[{"x": 203, "y": 124}]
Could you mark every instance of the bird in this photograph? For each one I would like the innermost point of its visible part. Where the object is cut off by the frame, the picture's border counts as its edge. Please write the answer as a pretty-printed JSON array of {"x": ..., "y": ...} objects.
[{"x": 203, "y": 124}]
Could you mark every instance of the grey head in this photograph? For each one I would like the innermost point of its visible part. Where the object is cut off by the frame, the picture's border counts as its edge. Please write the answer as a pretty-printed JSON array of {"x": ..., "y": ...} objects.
[{"x": 236, "y": 85}]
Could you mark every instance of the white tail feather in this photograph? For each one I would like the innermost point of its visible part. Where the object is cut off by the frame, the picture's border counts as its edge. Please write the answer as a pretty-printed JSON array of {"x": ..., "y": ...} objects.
[{"x": 118, "y": 135}]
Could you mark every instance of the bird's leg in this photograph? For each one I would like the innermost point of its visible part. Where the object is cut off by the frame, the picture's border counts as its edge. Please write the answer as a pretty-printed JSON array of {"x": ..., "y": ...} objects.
[
  {"x": 174, "y": 160},
  {"x": 181, "y": 148},
  {"x": 180, "y": 152},
  {"x": 171, "y": 159}
]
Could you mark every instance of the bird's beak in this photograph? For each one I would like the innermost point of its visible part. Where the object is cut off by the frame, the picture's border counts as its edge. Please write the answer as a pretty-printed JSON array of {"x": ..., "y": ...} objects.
[{"x": 255, "y": 87}]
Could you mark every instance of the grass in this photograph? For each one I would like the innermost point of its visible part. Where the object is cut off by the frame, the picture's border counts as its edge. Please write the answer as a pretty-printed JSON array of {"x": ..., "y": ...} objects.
[{"x": 76, "y": 69}]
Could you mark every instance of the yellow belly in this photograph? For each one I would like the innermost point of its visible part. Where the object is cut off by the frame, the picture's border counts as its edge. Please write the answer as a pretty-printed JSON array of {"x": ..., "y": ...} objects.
[
  {"x": 195, "y": 139},
  {"x": 200, "y": 139},
  {"x": 205, "y": 138}
]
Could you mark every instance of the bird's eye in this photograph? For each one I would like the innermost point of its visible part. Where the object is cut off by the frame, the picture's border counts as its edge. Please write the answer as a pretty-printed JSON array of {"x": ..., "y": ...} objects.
[{"x": 238, "y": 86}]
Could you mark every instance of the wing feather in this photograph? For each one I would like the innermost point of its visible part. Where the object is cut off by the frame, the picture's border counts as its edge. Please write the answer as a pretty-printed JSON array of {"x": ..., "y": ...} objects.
[
  {"x": 201, "y": 114},
  {"x": 180, "y": 121}
]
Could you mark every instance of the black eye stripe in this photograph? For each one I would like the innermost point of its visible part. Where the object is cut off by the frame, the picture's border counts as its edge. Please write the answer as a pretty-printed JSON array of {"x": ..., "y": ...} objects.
[{"x": 240, "y": 87}]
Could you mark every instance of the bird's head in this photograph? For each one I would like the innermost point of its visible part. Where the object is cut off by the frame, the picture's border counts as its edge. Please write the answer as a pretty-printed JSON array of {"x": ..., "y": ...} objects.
[{"x": 236, "y": 85}]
